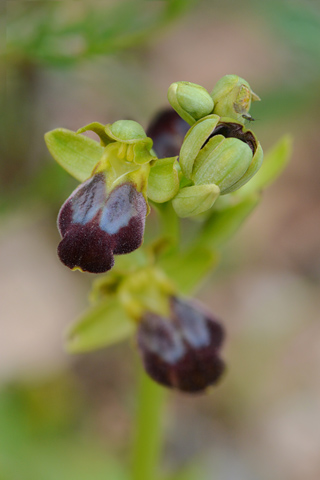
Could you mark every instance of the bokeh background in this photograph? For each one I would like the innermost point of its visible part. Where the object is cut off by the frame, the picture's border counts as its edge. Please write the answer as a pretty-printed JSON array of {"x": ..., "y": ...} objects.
[{"x": 67, "y": 63}]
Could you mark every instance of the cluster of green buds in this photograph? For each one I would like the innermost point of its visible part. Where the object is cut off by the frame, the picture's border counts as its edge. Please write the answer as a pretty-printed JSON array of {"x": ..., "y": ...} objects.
[
  {"x": 188, "y": 157},
  {"x": 218, "y": 154}
]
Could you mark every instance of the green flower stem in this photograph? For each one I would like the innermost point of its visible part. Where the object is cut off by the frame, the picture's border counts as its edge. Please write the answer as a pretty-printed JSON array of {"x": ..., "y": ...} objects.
[
  {"x": 151, "y": 397},
  {"x": 169, "y": 222},
  {"x": 148, "y": 431}
]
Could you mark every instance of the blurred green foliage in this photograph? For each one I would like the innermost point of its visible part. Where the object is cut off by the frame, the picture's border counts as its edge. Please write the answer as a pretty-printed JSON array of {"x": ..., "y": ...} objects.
[
  {"x": 295, "y": 29},
  {"x": 46, "y": 434},
  {"x": 64, "y": 33},
  {"x": 298, "y": 24},
  {"x": 42, "y": 435}
]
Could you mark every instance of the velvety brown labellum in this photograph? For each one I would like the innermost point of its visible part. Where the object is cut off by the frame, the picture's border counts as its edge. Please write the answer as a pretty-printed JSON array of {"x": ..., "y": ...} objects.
[
  {"x": 95, "y": 225},
  {"x": 167, "y": 131},
  {"x": 234, "y": 130},
  {"x": 182, "y": 351}
]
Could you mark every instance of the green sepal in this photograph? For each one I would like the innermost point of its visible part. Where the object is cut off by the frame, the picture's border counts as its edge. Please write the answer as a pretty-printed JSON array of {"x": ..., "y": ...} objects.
[
  {"x": 99, "y": 129},
  {"x": 102, "y": 325},
  {"x": 222, "y": 161},
  {"x": 252, "y": 170},
  {"x": 77, "y": 154},
  {"x": 275, "y": 161},
  {"x": 127, "y": 131},
  {"x": 196, "y": 199},
  {"x": 223, "y": 224},
  {"x": 193, "y": 141},
  {"x": 163, "y": 182}
]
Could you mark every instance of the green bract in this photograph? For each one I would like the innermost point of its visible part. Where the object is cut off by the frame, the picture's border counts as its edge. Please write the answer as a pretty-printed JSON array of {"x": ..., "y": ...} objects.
[
  {"x": 191, "y": 101},
  {"x": 232, "y": 96}
]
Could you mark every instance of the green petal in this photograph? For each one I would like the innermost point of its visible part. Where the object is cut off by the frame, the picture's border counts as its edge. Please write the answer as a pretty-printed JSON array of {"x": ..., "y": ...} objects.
[
  {"x": 99, "y": 129},
  {"x": 163, "y": 182},
  {"x": 77, "y": 154},
  {"x": 195, "y": 138},
  {"x": 101, "y": 326},
  {"x": 142, "y": 152}
]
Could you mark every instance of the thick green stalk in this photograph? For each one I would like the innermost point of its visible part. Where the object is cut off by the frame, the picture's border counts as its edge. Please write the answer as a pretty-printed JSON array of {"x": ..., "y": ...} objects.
[{"x": 148, "y": 429}]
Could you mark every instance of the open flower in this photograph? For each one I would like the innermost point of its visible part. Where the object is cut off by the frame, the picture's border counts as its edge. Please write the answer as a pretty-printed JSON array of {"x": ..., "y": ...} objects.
[
  {"x": 182, "y": 351},
  {"x": 96, "y": 224},
  {"x": 178, "y": 339},
  {"x": 105, "y": 215}
]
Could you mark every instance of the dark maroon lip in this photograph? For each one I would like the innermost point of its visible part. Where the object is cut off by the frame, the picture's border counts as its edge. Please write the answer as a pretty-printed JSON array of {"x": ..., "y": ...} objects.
[
  {"x": 95, "y": 225},
  {"x": 234, "y": 130},
  {"x": 183, "y": 350},
  {"x": 167, "y": 131}
]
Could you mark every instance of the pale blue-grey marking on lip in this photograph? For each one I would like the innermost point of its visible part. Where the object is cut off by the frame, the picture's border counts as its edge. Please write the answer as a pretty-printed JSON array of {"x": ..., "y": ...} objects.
[
  {"x": 162, "y": 339},
  {"x": 119, "y": 209},
  {"x": 193, "y": 325},
  {"x": 88, "y": 199}
]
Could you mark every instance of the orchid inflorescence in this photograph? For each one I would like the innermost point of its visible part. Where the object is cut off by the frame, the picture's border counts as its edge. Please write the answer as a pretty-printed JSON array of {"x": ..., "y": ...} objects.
[{"x": 189, "y": 159}]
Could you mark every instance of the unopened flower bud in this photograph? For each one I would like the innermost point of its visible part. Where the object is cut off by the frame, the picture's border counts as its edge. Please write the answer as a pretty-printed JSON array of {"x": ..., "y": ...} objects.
[
  {"x": 191, "y": 101},
  {"x": 232, "y": 96},
  {"x": 221, "y": 152}
]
